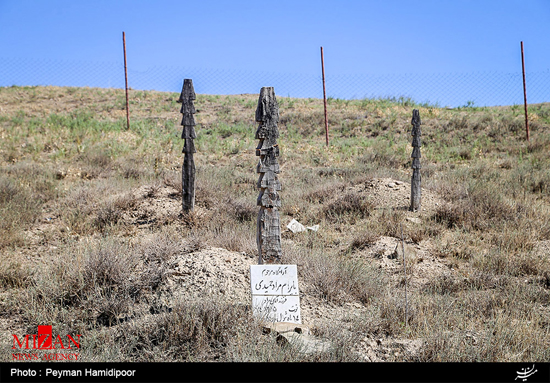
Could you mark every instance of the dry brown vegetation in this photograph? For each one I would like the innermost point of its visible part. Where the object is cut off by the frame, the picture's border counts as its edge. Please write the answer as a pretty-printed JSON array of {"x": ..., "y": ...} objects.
[{"x": 93, "y": 241}]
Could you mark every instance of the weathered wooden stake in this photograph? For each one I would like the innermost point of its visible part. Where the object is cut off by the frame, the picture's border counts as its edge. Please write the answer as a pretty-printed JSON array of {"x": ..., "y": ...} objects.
[
  {"x": 416, "y": 144},
  {"x": 268, "y": 234},
  {"x": 188, "y": 169}
]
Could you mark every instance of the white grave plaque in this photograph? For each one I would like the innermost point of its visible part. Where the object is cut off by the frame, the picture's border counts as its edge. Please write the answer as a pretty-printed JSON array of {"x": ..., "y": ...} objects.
[{"x": 275, "y": 295}]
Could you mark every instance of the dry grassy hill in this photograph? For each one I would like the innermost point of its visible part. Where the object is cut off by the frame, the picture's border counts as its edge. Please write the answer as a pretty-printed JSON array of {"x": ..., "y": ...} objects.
[{"x": 93, "y": 242}]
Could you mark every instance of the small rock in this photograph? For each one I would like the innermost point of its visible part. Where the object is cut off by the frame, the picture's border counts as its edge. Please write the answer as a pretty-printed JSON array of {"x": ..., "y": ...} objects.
[
  {"x": 283, "y": 327},
  {"x": 414, "y": 220},
  {"x": 399, "y": 182},
  {"x": 391, "y": 185},
  {"x": 306, "y": 344}
]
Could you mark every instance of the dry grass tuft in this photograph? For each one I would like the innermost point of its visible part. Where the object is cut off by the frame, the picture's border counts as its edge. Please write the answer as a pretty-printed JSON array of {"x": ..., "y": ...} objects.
[
  {"x": 191, "y": 331},
  {"x": 13, "y": 272},
  {"x": 338, "y": 281},
  {"x": 242, "y": 210},
  {"x": 350, "y": 206},
  {"x": 324, "y": 193},
  {"x": 364, "y": 240}
]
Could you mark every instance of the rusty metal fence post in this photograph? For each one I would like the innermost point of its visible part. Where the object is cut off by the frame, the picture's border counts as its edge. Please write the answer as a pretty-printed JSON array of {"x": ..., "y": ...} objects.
[
  {"x": 324, "y": 94},
  {"x": 126, "y": 81},
  {"x": 524, "y": 94}
]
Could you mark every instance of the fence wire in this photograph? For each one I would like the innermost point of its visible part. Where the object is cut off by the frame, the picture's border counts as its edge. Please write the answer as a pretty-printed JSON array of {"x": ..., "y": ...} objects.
[{"x": 439, "y": 89}]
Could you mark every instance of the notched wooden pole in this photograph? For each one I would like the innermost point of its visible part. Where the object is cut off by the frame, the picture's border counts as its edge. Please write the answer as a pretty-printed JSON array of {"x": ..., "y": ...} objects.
[
  {"x": 268, "y": 234},
  {"x": 416, "y": 144},
  {"x": 186, "y": 99}
]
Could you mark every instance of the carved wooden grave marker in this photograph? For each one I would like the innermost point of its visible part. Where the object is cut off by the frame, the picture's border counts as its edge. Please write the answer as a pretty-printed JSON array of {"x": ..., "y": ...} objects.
[
  {"x": 188, "y": 169},
  {"x": 268, "y": 234},
  {"x": 275, "y": 294},
  {"x": 416, "y": 144}
]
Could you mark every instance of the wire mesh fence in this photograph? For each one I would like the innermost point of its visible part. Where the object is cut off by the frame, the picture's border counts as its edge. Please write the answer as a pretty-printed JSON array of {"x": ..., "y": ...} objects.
[{"x": 440, "y": 89}]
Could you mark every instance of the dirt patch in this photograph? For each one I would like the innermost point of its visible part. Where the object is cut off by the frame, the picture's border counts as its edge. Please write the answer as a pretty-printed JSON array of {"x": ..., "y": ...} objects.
[
  {"x": 421, "y": 265},
  {"x": 212, "y": 272},
  {"x": 388, "y": 193},
  {"x": 382, "y": 349}
]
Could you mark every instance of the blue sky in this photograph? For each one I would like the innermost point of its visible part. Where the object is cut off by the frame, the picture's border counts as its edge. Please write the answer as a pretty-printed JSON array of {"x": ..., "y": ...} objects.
[{"x": 239, "y": 43}]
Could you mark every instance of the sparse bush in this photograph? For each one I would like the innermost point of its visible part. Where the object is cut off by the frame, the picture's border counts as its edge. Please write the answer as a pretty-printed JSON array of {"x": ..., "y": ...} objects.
[
  {"x": 13, "y": 272},
  {"x": 153, "y": 190},
  {"x": 8, "y": 190},
  {"x": 383, "y": 159},
  {"x": 349, "y": 206},
  {"x": 156, "y": 254},
  {"x": 444, "y": 284},
  {"x": 161, "y": 247},
  {"x": 18, "y": 208},
  {"x": 132, "y": 169},
  {"x": 324, "y": 193},
  {"x": 102, "y": 283},
  {"x": 449, "y": 215},
  {"x": 204, "y": 197},
  {"x": 478, "y": 210},
  {"x": 107, "y": 215},
  {"x": 242, "y": 210},
  {"x": 394, "y": 310},
  {"x": 193, "y": 243},
  {"x": 97, "y": 158},
  {"x": 421, "y": 232},
  {"x": 501, "y": 261},
  {"x": 365, "y": 239},
  {"x": 236, "y": 240},
  {"x": 391, "y": 222},
  {"x": 191, "y": 331},
  {"x": 337, "y": 280},
  {"x": 173, "y": 180}
]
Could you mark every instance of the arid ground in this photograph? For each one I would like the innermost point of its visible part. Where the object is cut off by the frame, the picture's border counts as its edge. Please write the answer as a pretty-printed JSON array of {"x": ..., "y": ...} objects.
[{"x": 93, "y": 240}]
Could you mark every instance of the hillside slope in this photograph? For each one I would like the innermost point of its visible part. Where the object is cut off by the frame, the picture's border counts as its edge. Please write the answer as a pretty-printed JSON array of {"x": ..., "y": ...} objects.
[{"x": 93, "y": 240}]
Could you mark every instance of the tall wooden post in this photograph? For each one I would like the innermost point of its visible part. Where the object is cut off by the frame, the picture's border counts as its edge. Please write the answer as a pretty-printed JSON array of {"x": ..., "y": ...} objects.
[
  {"x": 415, "y": 180},
  {"x": 188, "y": 169},
  {"x": 268, "y": 235}
]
